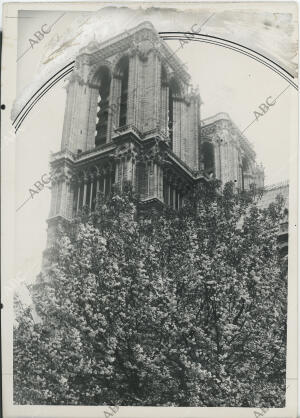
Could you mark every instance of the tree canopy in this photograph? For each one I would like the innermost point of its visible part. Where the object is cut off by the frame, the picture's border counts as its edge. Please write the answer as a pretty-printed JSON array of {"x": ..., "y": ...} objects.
[{"x": 180, "y": 308}]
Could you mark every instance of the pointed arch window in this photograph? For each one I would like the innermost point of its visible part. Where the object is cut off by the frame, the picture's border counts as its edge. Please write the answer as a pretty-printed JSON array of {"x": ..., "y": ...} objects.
[
  {"x": 123, "y": 70},
  {"x": 164, "y": 100},
  {"x": 104, "y": 80},
  {"x": 208, "y": 158},
  {"x": 164, "y": 78},
  {"x": 245, "y": 172}
]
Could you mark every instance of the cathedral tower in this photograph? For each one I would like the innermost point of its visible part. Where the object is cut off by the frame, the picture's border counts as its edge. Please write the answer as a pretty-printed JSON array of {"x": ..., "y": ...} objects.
[{"x": 132, "y": 116}]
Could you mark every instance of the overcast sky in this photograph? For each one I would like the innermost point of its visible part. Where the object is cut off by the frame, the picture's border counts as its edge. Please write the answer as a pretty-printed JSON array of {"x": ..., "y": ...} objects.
[{"x": 228, "y": 82}]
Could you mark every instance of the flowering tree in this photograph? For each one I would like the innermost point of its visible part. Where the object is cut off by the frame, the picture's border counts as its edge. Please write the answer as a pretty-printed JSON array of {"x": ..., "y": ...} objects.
[{"x": 177, "y": 309}]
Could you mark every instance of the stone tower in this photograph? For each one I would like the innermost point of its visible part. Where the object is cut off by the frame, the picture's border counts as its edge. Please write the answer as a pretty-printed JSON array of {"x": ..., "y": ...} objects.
[
  {"x": 132, "y": 116},
  {"x": 225, "y": 152}
]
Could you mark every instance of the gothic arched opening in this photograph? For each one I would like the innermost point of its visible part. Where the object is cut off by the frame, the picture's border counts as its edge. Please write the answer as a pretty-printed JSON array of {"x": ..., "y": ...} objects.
[
  {"x": 104, "y": 79},
  {"x": 164, "y": 78},
  {"x": 123, "y": 73},
  {"x": 245, "y": 170},
  {"x": 174, "y": 91},
  {"x": 208, "y": 157}
]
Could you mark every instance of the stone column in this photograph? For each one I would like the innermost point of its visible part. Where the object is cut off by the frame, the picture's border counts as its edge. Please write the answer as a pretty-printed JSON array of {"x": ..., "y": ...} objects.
[
  {"x": 104, "y": 182},
  {"x": 133, "y": 180},
  {"x": 79, "y": 185},
  {"x": 73, "y": 197},
  {"x": 70, "y": 198},
  {"x": 91, "y": 191},
  {"x": 151, "y": 179},
  {"x": 85, "y": 182},
  {"x": 160, "y": 180}
]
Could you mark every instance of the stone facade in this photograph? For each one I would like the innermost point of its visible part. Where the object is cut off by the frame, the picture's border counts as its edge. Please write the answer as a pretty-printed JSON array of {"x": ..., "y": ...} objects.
[
  {"x": 226, "y": 154},
  {"x": 132, "y": 115}
]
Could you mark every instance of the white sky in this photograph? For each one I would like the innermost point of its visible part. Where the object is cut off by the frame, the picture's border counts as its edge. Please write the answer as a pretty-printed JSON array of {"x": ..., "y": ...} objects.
[{"x": 228, "y": 82}]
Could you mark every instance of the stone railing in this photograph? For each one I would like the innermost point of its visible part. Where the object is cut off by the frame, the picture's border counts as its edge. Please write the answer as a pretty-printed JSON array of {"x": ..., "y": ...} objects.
[{"x": 215, "y": 118}]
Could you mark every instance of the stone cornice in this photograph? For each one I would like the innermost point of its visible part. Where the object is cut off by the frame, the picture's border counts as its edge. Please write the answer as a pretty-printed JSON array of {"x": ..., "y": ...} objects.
[
  {"x": 96, "y": 51},
  {"x": 127, "y": 144}
]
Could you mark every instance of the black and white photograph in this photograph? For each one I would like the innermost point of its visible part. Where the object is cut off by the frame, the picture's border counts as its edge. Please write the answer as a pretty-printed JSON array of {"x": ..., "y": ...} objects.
[{"x": 149, "y": 209}]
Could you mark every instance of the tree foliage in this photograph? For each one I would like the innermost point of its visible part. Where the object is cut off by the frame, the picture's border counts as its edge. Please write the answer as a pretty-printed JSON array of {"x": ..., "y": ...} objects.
[{"x": 180, "y": 308}]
